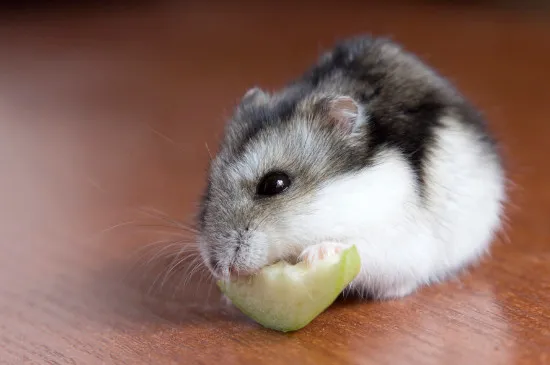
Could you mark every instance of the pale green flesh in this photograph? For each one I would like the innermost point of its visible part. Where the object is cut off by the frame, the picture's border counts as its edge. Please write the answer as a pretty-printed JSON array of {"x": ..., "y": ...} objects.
[{"x": 287, "y": 297}]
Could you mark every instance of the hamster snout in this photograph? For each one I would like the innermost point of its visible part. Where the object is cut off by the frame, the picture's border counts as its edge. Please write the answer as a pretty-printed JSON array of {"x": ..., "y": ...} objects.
[
  {"x": 369, "y": 147},
  {"x": 236, "y": 253}
]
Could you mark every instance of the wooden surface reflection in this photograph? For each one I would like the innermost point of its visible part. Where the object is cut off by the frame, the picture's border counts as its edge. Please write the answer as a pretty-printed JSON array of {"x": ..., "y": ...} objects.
[{"x": 104, "y": 120}]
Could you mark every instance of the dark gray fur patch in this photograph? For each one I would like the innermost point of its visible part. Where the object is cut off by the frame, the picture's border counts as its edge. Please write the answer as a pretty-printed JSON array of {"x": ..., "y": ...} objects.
[{"x": 259, "y": 117}]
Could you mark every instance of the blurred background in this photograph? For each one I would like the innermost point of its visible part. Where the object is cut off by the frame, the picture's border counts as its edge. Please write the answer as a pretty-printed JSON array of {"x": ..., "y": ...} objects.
[{"x": 108, "y": 111}]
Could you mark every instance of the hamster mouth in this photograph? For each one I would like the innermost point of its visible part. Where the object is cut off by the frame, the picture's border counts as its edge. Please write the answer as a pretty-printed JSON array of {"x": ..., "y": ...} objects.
[{"x": 232, "y": 271}]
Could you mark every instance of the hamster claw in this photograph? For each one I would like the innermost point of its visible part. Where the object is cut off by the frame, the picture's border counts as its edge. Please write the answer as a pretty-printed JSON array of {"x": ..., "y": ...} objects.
[{"x": 318, "y": 252}]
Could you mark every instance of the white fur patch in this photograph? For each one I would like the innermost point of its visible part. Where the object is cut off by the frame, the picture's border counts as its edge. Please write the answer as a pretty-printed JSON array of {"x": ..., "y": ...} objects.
[{"x": 405, "y": 242}]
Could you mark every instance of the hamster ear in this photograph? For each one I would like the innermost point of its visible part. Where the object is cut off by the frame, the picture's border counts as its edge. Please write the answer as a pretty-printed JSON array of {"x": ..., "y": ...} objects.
[
  {"x": 254, "y": 95},
  {"x": 345, "y": 113}
]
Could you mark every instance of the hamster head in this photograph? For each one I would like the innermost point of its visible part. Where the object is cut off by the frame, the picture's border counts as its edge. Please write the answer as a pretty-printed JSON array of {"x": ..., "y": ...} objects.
[{"x": 287, "y": 176}]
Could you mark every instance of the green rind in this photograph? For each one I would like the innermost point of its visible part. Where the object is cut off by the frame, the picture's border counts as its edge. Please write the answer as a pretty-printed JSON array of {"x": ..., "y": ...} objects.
[
  {"x": 352, "y": 264},
  {"x": 347, "y": 269}
]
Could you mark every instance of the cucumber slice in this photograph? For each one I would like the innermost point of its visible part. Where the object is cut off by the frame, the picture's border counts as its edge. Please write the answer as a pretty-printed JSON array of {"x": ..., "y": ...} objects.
[{"x": 287, "y": 297}]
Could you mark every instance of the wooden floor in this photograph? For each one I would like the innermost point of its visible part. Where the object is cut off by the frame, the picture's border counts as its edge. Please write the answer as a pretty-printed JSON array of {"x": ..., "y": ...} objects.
[{"x": 105, "y": 117}]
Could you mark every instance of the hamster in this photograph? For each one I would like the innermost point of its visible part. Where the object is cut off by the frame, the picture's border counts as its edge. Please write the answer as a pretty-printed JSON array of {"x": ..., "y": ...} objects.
[{"x": 370, "y": 147}]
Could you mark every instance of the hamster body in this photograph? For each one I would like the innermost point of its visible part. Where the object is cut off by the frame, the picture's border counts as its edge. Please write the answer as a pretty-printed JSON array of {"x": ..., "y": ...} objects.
[{"x": 370, "y": 147}]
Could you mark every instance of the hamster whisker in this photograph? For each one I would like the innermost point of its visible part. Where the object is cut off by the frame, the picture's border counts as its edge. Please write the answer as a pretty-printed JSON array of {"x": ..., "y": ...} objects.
[
  {"x": 141, "y": 252},
  {"x": 168, "y": 229},
  {"x": 162, "y": 252},
  {"x": 110, "y": 229},
  {"x": 166, "y": 138},
  {"x": 178, "y": 266},
  {"x": 210, "y": 284},
  {"x": 154, "y": 213},
  {"x": 196, "y": 266},
  {"x": 176, "y": 262},
  {"x": 208, "y": 150},
  {"x": 166, "y": 249},
  {"x": 162, "y": 273}
]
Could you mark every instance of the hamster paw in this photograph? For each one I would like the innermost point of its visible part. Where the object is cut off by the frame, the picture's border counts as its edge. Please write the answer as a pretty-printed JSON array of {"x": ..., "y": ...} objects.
[{"x": 317, "y": 252}]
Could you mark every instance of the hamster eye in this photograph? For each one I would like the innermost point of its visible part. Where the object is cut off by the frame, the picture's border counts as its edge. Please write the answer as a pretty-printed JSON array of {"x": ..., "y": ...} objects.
[{"x": 273, "y": 183}]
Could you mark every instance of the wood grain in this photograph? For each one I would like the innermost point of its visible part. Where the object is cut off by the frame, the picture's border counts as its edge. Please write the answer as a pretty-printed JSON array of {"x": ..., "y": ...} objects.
[{"x": 105, "y": 116}]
